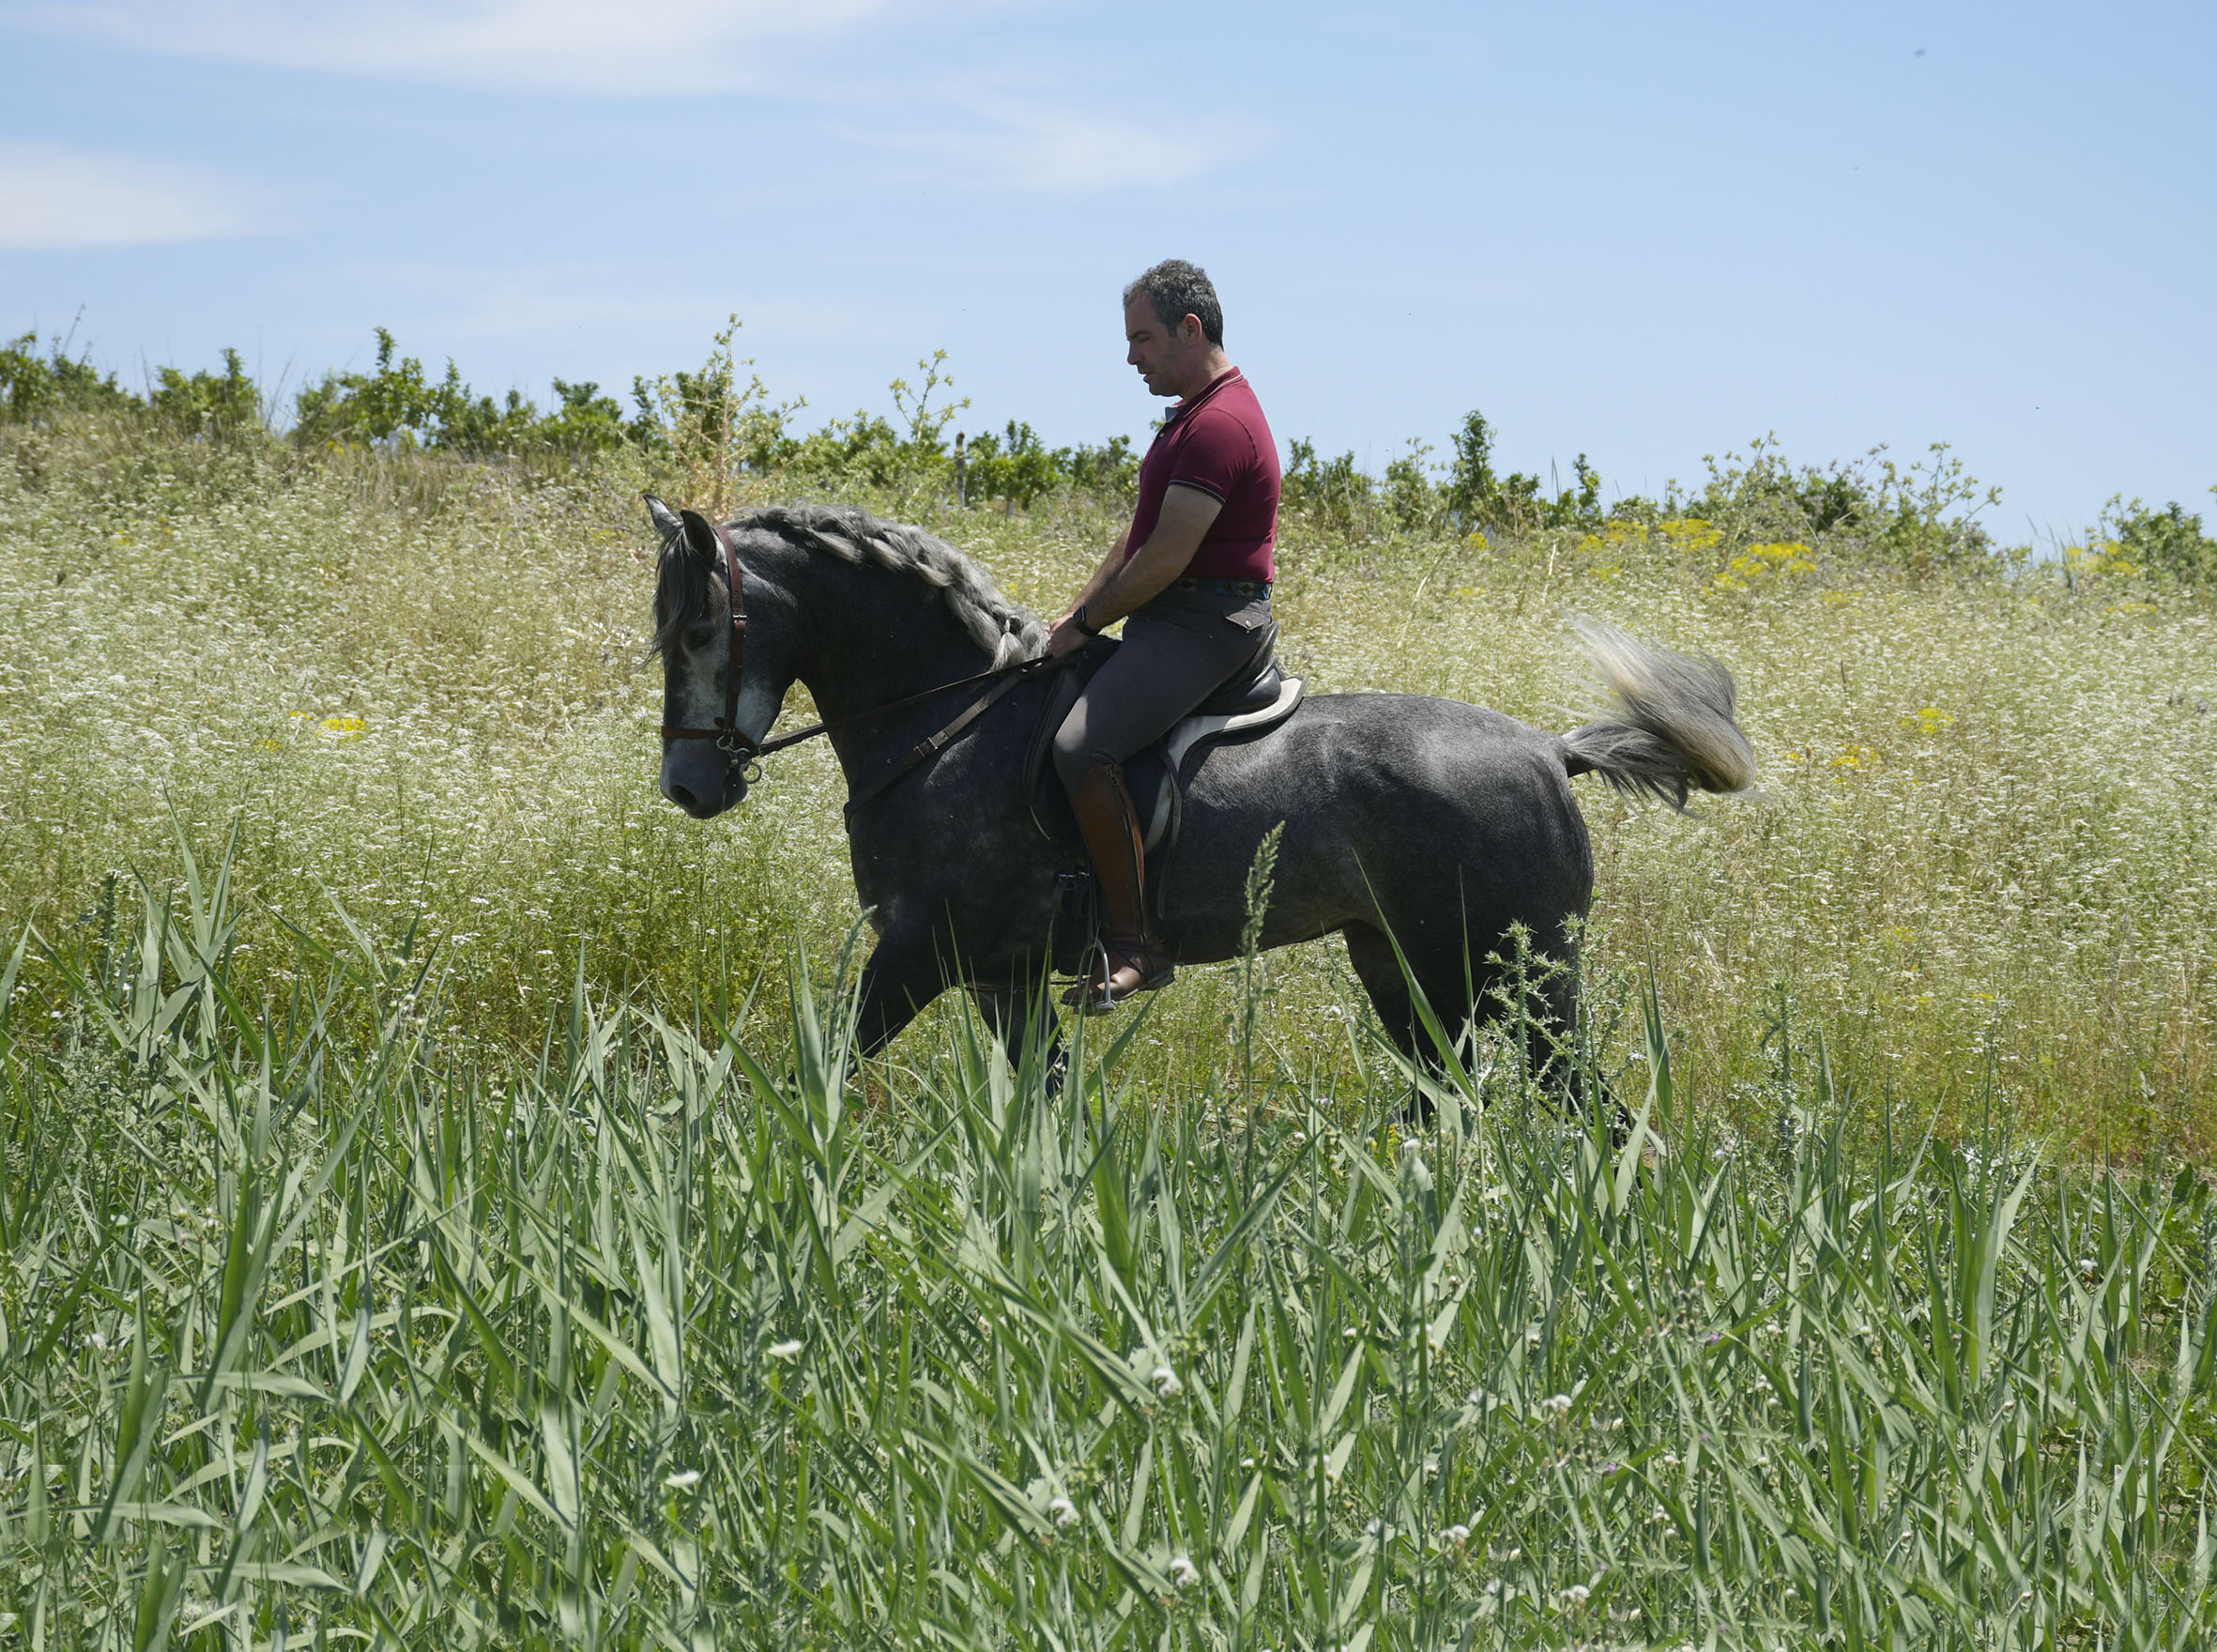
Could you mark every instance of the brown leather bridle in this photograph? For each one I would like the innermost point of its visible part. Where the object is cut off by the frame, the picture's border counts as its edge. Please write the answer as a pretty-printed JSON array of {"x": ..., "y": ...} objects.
[
  {"x": 740, "y": 749},
  {"x": 731, "y": 739}
]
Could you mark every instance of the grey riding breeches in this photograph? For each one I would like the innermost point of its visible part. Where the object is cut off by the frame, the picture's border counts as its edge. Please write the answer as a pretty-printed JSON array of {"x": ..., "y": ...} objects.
[{"x": 1176, "y": 651}]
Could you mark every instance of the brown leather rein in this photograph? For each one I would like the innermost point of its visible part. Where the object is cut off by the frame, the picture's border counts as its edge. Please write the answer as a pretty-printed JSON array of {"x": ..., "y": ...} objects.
[{"x": 740, "y": 748}]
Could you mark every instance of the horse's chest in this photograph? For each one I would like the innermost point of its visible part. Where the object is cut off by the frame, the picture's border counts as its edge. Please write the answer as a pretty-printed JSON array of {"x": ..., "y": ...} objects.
[{"x": 922, "y": 850}]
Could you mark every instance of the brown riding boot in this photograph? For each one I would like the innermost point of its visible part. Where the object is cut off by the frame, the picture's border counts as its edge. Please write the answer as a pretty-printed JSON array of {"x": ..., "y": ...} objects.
[{"x": 1136, "y": 961}]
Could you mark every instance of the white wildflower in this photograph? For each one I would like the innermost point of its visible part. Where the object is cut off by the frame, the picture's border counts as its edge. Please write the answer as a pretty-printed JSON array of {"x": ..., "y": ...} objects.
[
  {"x": 1183, "y": 1572},
  {"x": 683, "y": 1480},
  {"x": 1165, "y": 1380},
  {"x": 1063, "y": 1513},
  {"x": 784, "y": 1350}
]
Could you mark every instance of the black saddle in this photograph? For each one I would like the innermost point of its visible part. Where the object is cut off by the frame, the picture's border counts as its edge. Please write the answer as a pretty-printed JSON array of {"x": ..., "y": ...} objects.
[{"x": 1257, "y": 695}]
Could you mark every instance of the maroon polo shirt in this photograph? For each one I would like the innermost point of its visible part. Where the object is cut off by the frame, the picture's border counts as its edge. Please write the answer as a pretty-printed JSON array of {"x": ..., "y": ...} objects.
[{"x": 1218, "y": 442}]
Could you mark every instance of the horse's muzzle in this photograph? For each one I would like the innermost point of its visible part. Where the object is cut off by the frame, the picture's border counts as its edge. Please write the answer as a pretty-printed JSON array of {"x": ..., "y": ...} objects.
[{"x": 698, "y": 777}]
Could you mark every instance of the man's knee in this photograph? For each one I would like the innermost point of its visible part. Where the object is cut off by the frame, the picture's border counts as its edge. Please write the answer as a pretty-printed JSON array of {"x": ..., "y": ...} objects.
[{"x": 1072, "y": 756}]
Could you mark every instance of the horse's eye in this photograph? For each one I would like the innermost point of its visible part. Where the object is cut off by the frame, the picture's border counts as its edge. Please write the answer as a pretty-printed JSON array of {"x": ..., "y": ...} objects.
[{"x": 700, "y": 636}]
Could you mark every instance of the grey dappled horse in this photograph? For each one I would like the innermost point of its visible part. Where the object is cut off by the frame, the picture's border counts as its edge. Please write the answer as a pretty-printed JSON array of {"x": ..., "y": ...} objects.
[{"x": 1445, "y": 824}]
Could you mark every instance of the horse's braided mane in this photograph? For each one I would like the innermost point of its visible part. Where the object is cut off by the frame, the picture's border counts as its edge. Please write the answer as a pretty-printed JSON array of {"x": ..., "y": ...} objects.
[{"x": 994, "y": 623}]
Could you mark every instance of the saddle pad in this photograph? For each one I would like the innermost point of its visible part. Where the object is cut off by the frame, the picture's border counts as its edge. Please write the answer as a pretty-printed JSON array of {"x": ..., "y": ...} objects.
[
  {"x": 1170, "y": 794},
  {"x": 1189, "y": 733}
]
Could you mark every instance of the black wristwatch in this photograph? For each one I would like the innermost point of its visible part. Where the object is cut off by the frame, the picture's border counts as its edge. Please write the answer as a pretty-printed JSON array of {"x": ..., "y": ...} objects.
[{"x": 1078, "y": 619}]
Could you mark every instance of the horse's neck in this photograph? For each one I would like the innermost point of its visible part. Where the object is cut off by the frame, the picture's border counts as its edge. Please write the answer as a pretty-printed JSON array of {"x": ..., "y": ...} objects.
[{"x": 877, "y": 637}]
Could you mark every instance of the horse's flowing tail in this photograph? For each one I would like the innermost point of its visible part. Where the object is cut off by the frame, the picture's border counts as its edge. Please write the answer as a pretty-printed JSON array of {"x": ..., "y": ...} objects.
[{"x": 1671, "y": 729}]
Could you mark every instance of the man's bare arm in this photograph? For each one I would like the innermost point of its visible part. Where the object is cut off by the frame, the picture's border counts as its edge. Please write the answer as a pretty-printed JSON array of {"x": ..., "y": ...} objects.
[
  {"x": 1110, "y": 562},
  {"x": 1186, "y": 516}
]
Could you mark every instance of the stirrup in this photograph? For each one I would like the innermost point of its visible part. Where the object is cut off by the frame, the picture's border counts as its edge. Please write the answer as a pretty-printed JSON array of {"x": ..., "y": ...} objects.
[{"x": 1097, "y": 995}]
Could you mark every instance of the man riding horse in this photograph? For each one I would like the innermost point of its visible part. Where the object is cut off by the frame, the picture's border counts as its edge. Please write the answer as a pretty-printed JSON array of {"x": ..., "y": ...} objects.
[
  {"x": 1191, "y": 580},
  {"x": 1427, "y": 833}
]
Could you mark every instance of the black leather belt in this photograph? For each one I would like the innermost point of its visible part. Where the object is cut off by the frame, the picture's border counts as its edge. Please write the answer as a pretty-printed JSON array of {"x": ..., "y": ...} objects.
[{"x": 1228, "y": 587}]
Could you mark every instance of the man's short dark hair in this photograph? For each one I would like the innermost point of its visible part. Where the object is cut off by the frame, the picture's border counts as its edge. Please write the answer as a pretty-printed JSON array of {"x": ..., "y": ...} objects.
[{"x": 1177, "y": 289}]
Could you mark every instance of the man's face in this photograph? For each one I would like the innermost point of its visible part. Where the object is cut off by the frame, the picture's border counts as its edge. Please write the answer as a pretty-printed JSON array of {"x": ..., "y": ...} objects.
[{"x": 1163, "y": 355}]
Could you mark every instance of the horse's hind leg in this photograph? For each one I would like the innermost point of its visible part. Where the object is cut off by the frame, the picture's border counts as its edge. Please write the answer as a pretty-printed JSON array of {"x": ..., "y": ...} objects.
[
  {"x": 1547, "y": 1014},
  {"x": 1538, "y": 997},
  {"x": 1378, "y": 967}
]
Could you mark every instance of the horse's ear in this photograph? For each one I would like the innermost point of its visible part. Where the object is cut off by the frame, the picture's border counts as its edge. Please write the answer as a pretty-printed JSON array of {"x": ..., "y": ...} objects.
[
  {"x": 666, "y": 520},
  {"x": 701, "y": 533}
]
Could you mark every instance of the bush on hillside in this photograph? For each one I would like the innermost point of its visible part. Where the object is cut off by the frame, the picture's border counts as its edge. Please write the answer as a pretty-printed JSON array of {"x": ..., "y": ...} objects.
[
  {"x": 714, "y": 436},
  {"x": 1478, "y": 500},
  {"x": 2169, "y": 542},
  {"x": 398, "y": 404},
  {"x": 1337, "y": 498},
  {"x": 1919, "y": 518},
  {"x": 1018, "y": 468},
  {"x": 35, "y": 385},
  {"x": 225, "y": 406}
]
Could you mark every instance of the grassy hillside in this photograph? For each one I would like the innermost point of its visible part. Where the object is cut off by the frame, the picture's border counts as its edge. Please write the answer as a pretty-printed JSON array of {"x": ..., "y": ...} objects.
[{"x": 1980, "y": 857}]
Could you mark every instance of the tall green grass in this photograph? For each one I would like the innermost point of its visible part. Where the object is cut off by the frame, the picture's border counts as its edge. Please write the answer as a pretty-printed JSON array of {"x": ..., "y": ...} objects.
[{"x": 321, "y": 1322}]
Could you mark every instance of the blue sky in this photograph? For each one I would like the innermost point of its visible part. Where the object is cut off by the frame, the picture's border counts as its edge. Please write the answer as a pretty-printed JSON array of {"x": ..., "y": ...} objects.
[{"x": 1643, "y": 234}]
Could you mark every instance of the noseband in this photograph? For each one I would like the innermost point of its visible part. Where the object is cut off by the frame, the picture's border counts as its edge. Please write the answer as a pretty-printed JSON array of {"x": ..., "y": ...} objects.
[{"x": 730, "y": 738}]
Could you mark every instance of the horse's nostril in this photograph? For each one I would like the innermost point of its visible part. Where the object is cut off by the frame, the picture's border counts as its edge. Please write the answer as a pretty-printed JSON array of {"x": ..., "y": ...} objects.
[{"x": 683, "y": 796}]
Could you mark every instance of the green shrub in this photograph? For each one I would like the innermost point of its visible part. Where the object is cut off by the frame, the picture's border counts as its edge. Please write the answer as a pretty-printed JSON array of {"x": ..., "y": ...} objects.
[
  {"x": 1019, "y": 467},
  {"x": 1332, "y": 495},
  {"x": 2169, "y": 542},
  {"x": 397, "y": 404},
  {"x": 1483, "y": 501},
  {"x": 225, "y": 406},
  {"x": 1918, "y": 519},
  {"x": 33, "y": 385},
  {"x": 1016, "y": 466}
]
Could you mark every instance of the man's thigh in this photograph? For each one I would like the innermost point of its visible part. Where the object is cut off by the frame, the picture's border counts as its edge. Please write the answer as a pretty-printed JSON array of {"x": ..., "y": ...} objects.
[{"x": 1160, "y": 673}]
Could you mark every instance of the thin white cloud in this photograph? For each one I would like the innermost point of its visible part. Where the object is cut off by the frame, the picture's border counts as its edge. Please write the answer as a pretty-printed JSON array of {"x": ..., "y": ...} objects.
[
  {"x": 1067, "y": 150},
  {"x": 994, "y": 129},
  {"x": 52, "y": 197},
  {"x": 1018, "y": 141},
  {"x": 634, "y": 48}
]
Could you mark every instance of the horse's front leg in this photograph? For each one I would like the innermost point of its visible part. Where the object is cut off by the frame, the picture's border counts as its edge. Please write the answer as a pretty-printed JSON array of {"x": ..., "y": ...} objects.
[
  {"x": 904, "y": 974},
  {"x": 1019, "y": 1016}
]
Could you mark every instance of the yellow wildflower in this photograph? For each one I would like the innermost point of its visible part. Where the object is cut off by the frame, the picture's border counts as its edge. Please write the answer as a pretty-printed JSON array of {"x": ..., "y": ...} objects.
[{"x": 1927, "y": 720}]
